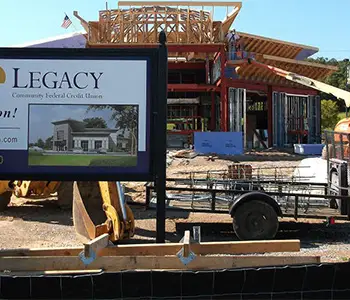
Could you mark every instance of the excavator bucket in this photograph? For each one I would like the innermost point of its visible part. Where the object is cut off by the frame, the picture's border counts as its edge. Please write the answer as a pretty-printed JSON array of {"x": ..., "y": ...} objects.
[{"x": 98, "y": 208}]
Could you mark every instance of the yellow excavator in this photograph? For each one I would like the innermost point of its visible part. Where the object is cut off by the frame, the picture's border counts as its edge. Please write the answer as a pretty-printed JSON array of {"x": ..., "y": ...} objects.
[{"x": 100, "y": 207}]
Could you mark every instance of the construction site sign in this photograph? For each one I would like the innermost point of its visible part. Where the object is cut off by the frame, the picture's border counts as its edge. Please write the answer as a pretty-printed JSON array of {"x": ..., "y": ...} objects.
[{"x": 68, "y": 114}]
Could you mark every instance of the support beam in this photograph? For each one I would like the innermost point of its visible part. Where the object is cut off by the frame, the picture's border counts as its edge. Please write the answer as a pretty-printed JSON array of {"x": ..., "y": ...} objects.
[
  {"x": 180, "y": 3},
  {"x": 248, "y": 85},
  {"x": 181, "y": 48},
  {"x": 204, "y": 248},
  {"x": 200, "y": 48},
  {"x": 185, "y": 66},
  {"x": 224, "y": 93},
  {"x": 269, "y": 116},
  {"x": 290, "y": 90},
  {"x": 115, "y": 264},
  {"x": 184, "y": 87},
  {"x": 213, "y": 112},
  {"x": 260, "y": 86}
]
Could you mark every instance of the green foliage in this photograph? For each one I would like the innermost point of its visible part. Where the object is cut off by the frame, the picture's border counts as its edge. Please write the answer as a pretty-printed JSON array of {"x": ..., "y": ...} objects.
[
  {"x": 40, "y": 143},
  {"x": 38, "y": 159},
  {"x": 96, "y": 122},
  {"x": 48, "y": 143},
  {"x": 126, "y": 118},
  {"x": 120, "y": 161},
  {"x": 329, "y": 114},
  {"x": 337, "y": 79}
]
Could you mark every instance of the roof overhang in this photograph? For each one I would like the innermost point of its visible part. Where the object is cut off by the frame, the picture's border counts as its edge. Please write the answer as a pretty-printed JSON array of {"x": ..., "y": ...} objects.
[
  {"x": 92, "y": 133},
  {"x": 269, "y": 46},
  {"x": 312, "y": 70},
  {"x": 70, "y": 40}
]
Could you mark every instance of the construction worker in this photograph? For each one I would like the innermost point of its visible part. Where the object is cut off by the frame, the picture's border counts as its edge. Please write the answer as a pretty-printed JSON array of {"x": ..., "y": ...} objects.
[
  {"x": 233, "y": 41},
  {"x": 230, "y": 44}
]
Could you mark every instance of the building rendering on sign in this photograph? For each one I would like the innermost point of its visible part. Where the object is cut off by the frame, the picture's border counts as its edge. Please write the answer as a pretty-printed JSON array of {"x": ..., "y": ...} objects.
[
  {"x": 71, "y": 134},
  {"x": 275, "y": 111}
]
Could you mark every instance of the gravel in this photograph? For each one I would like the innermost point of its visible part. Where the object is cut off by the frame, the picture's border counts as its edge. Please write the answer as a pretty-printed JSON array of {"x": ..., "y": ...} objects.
[{"x": 40, "y": 223}]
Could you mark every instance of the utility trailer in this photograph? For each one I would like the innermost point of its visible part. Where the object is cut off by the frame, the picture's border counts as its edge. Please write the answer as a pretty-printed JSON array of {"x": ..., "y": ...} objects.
[
  {"x": 255, "y": 198},
  {"x": 337, "y": 155}
]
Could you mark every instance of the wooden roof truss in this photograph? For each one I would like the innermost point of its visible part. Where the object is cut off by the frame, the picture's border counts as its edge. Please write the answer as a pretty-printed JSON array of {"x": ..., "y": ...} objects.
[
  {"x": 307, "y": 69},
  {"x": 253, "y": 43},
  {"x": 142, "y": 25}
]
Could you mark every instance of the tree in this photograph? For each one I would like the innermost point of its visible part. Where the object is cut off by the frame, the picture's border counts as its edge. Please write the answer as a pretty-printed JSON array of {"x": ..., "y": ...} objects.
[
  {"x": 96, "y": 122},
  {"x": 40, "y": 143},
  {"x": 126, "y": 118},
  {"x": 329, "y": 114},
  {"x": 337, "y": 79},
  {"x": 48, "y": 143}
]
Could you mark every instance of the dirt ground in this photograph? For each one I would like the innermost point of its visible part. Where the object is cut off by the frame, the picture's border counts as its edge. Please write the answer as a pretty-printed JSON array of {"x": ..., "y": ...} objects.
[{"x": 41, "y": 223}]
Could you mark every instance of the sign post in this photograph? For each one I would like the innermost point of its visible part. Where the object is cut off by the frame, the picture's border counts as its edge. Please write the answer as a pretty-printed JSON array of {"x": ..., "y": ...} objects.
[{"x": 161, "y": 136}]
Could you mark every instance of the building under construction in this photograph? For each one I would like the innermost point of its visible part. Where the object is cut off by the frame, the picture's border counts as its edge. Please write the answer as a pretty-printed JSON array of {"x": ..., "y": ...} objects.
[{"x": 206, "y": 90}]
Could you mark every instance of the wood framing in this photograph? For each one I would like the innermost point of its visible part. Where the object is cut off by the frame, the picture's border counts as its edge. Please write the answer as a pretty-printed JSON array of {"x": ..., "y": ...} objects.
[
  {"x": 180, "y": 3},
  {"x": 205, "y": 248},
  {"x": 185, "y": 255},
  {"x": 46, "y": 263},
  {"x": 265, "y": 45},
  {"x": 251, "y": 72},
  {"x": 142, "y": 25}
]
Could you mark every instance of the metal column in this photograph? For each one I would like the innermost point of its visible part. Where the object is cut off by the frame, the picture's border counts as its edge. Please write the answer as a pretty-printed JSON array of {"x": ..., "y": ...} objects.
[
  {"x": 237, "y": 111},
  {"x": 278, "y": 123},
  {"x": 314, "y": 119}
]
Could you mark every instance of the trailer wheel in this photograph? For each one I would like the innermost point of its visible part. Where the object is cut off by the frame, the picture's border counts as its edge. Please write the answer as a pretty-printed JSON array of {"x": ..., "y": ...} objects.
[
  {"x": 255, "y": 220},
  {"x": 5, "y": 200}
]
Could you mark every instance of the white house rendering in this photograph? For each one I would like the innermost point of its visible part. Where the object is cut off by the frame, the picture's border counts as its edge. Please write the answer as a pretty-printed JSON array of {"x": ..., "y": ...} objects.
[{"x": 69, "y": 134}]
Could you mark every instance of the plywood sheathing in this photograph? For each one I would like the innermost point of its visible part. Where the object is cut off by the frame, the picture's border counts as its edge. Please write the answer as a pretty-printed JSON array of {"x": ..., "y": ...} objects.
[
  {"x": 264, "y": 45},
  {"x": 311, "y": 70}
]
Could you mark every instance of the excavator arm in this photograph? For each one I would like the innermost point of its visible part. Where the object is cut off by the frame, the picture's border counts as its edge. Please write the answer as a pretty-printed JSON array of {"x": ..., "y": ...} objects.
[{"x": 311, "y": 83}]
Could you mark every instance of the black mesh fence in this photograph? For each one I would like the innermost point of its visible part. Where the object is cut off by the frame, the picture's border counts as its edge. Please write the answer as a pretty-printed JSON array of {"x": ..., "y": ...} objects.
[{"x": 324, "y": 281}]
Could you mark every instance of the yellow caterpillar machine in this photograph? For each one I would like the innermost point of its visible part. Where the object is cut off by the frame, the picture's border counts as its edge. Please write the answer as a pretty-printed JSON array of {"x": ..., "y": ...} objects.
[{"x": 98, "y": 207}]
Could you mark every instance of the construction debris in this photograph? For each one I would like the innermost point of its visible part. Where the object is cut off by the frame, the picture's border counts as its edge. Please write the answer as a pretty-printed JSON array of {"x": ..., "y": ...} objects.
[{"x": 185, "y": 154}]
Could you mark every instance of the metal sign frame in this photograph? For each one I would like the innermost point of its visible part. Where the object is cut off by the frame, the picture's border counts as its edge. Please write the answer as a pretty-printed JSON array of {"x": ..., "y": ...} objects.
[{"x": 14, "y": 163}]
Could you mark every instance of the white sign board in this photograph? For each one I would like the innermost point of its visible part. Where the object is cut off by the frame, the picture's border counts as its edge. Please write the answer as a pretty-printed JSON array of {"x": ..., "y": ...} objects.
[{"x": 27, "y": 83}]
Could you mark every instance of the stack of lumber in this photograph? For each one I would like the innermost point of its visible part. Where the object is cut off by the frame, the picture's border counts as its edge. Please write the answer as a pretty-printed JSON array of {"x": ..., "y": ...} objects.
[{"x": 98, "y": 255}]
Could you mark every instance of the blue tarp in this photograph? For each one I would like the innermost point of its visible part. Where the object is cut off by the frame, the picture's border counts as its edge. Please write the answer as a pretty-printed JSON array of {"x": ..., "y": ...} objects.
[
  {"x": 308, "y": 149},
  {"x": 227, "y": 143}
]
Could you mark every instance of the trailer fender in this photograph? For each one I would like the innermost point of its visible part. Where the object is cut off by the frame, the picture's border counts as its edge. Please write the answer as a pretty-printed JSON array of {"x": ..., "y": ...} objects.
[{"x": 254, "y": 196}]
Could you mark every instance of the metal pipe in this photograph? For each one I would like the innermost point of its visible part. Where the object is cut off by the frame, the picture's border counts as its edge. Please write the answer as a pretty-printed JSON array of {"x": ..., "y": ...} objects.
[{"x": 121, "y": 200}]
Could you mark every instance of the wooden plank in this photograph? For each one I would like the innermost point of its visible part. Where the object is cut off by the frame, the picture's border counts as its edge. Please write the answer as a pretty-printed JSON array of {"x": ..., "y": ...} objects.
[
  {"x": 186, "y": 243},
  {"x": 237, "y": 247},
  {"x": 299, "y": 62},
  {"x": 52, "y": 272},
  {"x": 97, "y": 244},
  {"x": 179, "y": 3},
  {"x": 149, "y": 262}
]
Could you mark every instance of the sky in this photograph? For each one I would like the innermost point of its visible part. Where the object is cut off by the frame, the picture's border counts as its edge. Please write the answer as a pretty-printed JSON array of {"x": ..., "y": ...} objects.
[
  {"x": 320, "y": 23},
  {"x": 41, "y": 116}
]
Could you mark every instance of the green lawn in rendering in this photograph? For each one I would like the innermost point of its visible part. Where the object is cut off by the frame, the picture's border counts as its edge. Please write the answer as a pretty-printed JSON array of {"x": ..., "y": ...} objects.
[{"x": 38, "y": 159}]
